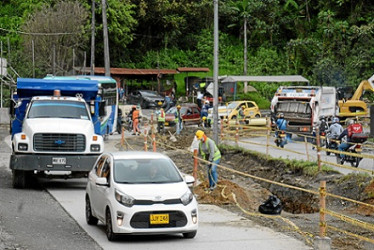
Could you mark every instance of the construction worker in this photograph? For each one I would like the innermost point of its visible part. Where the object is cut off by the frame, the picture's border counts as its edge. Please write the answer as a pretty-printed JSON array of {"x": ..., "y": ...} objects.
[
  {"x": 135, "y": 120},
  {"x": 179, "y": 120},
  {"x": 161, "y": 121},
  {"x": 241, "y": 115},
  {"x": 209, "y": 152},
  {"x": 206, "y": 122}
]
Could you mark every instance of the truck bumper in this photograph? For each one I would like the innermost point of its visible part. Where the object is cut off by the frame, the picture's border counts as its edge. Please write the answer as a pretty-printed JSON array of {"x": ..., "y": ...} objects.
[{"x": 74, "y": 163}]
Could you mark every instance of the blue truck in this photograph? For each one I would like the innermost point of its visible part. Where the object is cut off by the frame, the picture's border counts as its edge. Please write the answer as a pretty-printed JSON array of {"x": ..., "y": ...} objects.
[{"x": 55, "y": 129}]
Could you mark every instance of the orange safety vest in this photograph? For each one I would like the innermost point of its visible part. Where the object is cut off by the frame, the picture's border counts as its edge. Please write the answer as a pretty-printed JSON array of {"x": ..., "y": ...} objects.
[{"x": 135, "y": 114}]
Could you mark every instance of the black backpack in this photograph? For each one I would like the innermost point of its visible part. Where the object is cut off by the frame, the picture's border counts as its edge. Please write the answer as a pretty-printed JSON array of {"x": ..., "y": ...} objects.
[{"x": 272, "y": 205}]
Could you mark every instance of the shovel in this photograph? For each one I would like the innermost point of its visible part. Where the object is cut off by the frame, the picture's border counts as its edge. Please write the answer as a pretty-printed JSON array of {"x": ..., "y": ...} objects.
[{"x": 172, "y": 137}]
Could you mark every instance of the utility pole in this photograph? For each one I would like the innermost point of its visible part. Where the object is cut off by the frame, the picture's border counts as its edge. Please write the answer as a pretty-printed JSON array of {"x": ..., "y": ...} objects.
[
  {"x": 245, "y": 54},
  {"x": 106, "y": 42},
  {"x": 215, "y": 74},
  {"x": 93, "y": 39}
]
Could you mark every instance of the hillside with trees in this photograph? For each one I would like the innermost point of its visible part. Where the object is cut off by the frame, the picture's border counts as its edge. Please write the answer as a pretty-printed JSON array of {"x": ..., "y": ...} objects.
[{"x": 329, "y": 42}]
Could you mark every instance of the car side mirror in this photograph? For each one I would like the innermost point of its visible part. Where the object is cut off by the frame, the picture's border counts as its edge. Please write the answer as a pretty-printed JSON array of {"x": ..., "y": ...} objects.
[
  {"x": 102, "y": 181},
  {"x": 189, "y": 179}
]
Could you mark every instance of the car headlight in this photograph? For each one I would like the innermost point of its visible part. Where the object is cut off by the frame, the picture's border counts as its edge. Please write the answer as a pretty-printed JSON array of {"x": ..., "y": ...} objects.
[
  {"x": 124, "y": 199},
  {"x": 187, "y": 198}
]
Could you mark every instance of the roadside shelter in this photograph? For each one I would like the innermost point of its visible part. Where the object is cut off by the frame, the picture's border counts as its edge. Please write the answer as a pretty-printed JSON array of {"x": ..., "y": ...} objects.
[{"x": 230, "y": 82}]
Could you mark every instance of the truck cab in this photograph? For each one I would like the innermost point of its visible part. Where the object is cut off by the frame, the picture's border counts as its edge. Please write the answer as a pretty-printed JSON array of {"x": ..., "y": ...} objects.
[{"x": 54, "y": 135}]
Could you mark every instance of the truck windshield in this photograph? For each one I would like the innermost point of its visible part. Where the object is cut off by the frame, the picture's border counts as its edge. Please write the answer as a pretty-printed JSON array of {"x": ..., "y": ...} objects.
[{"x": 58, "y": 109}]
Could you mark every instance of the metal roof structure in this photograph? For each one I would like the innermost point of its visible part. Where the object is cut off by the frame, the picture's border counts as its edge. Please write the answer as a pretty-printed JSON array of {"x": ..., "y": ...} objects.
[{"x": 287, "y": 78}]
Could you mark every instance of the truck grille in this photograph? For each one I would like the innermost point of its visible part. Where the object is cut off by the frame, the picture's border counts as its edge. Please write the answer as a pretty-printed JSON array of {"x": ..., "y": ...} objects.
[{"x": 59, "y": 142}]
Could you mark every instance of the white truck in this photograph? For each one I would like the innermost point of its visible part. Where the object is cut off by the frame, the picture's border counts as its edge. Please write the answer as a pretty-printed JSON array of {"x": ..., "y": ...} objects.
[
  {"x": 303, "y": 106},
  {"x": 55, "y": 130}
]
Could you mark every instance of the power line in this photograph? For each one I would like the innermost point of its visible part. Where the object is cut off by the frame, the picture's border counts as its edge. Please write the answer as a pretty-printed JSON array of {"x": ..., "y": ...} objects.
[{"x": 39, "y": 34}]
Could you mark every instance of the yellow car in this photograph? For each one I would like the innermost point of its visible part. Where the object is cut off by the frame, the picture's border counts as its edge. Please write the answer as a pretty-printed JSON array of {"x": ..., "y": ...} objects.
[{"x": 230, "y": 111}]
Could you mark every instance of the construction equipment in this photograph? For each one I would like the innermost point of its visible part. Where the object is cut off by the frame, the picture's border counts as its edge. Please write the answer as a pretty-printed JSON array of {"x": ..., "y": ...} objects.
[{"x": 355, "y": 106}]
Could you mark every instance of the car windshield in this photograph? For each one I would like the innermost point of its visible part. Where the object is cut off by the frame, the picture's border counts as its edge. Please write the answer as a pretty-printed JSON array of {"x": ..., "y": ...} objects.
[
  {"x": 150, "y": 93},
  {"x": 232, "y": 105},
  {"x": 138, "y": 171},
  {"x": 174, "y": 109},
  {"x": 58, "y": 109}
]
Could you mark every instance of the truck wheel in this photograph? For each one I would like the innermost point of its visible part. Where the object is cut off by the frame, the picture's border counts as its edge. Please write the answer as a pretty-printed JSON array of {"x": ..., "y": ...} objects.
[{"x": 19, "y": 179}]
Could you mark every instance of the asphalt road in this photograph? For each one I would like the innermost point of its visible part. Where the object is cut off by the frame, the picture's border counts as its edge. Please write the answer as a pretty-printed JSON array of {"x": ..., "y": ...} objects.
[{"x": 32, "y": 219}]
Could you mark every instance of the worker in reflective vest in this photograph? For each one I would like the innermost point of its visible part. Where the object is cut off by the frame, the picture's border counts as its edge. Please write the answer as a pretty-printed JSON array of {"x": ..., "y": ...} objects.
[
  {"x": 179, "y": 120},
  {"x": 161, "y": 121},
  {"x": 210, "y": 152},
  {"x": 135, "y": 120}
]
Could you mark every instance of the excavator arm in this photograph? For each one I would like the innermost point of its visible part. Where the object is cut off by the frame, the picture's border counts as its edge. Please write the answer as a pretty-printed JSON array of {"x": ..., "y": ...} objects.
[{"x": 364, "y": 85}]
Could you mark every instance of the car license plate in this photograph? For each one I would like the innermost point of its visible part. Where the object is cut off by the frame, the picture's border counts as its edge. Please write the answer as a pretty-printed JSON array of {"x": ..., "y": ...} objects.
[
  {"x": 59, "y": 160},
  {"x": 166, "y": 123},
  {"x": 159, "y": 219}
]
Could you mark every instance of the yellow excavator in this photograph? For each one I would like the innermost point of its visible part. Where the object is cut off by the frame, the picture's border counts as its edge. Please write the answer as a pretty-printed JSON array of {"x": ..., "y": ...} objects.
[{"x": 355, "y": 106}]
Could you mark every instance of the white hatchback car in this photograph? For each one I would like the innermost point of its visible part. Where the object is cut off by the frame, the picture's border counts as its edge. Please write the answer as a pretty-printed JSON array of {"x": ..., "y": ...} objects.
[{"x": 140, "y": 193}]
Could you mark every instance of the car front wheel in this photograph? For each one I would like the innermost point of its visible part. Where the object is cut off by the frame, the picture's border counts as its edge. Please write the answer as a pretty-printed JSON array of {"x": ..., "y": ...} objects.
[
  {"x": 109, "y": 227},
  {"x": 91, "y": 220}
]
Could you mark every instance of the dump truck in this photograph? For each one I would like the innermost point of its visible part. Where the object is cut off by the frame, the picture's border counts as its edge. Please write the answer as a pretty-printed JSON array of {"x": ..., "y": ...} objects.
[
  {"x": 55, "y": 129},
  {"x": 303, "y": 106}
]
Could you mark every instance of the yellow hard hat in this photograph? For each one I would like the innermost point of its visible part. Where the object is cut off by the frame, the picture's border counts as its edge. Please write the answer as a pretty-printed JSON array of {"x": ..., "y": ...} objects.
[
  {"x": 204, "y": 117},
  {"x": 199, "y": 134},
  {"x": 243, "y": 106},
  {"x": 159, "y": 103},
  {"x": 179, "y": 106}
]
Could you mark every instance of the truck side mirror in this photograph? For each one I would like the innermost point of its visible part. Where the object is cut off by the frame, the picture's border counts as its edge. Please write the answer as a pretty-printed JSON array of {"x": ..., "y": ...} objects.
[{"x": 102, "y": 111}]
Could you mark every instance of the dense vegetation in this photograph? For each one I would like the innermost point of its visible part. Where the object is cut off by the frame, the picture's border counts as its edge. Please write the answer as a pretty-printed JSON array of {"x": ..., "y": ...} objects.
[{"x": 329, "y": 42}]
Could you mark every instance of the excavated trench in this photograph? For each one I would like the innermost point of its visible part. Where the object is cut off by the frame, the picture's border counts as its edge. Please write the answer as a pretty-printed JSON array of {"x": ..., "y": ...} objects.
[{"x": 253, "y": 191}]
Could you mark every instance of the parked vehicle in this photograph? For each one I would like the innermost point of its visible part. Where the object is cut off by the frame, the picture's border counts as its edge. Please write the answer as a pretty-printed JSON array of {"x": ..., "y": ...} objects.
[
  {"x": 356, "y": 148},
  {"x": 140, "y": 193},
  {"x": 230, "y": 111},
  {"x": 54, "y": 133},
  {"x": 146, "y": 99},
  {"x": 303, "y": 105},
  {"x": 190, "y": 113}
]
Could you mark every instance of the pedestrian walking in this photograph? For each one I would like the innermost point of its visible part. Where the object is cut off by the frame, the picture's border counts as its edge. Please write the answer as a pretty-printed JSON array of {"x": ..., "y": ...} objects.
[{"x": 209, "y": 152}]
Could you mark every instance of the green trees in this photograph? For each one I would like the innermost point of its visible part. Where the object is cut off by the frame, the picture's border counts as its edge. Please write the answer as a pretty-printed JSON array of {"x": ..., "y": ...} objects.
[{"x": 329, "y": 42}]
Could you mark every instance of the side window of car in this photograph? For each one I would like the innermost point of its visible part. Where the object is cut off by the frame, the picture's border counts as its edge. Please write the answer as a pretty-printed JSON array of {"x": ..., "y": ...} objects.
[
  {"x": 250, "y": 105},
  {"x": 106, "y": 169},
  {"x": 99, "y": 165},
  {"x": 189, "y": 112},
  {"x": 196, "y": 111}
]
